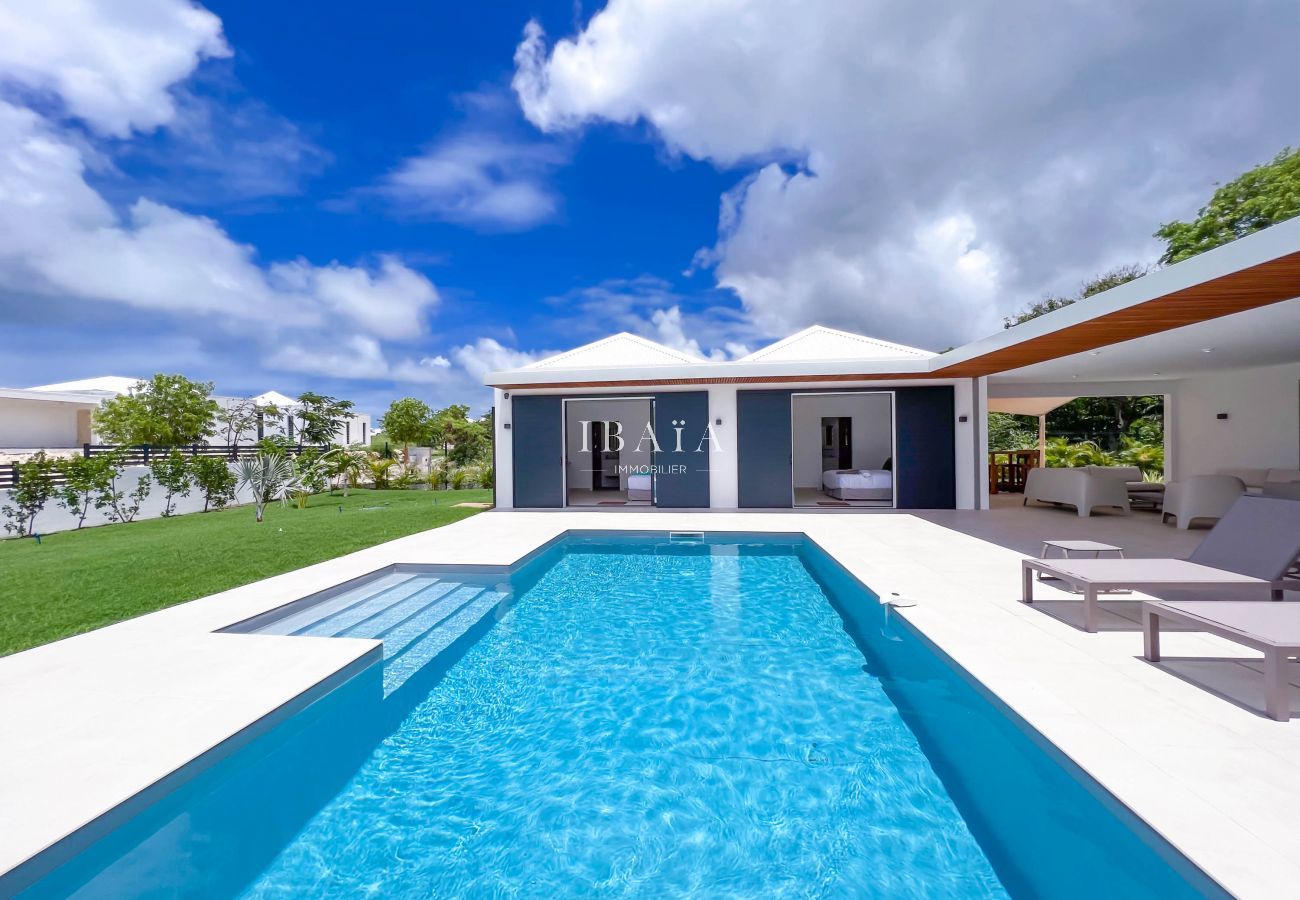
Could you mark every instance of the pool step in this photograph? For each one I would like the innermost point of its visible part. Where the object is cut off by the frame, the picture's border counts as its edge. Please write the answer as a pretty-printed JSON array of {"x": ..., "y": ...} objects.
[
  {"x": 365, "y": 607},
  {"x": 417, "y": 616},
  {"x": 307, "y": 616},
  {"x": 401, "y": 665}
]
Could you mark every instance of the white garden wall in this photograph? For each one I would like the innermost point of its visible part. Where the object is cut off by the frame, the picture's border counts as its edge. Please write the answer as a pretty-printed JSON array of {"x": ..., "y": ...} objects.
[{"x": 55, "y": 518}]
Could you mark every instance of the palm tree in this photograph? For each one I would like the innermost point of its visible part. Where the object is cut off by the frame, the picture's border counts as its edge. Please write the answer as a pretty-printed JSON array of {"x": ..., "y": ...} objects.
[
  {"x": 345, "y": 467},
  {"x": 269, "y": 477}
]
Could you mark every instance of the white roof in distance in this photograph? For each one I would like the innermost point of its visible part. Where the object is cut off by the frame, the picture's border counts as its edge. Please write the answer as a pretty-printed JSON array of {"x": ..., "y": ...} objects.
[
  {"x": 818, "y": 342},
  {"x": 274, "y": 398},
  {"x": 105, "y": 384},
  {"x": 617, "y": 351}
]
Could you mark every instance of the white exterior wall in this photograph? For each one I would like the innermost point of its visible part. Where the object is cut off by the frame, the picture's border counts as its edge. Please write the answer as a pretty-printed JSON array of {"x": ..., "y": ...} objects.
[
  {"x": 971, "y": 442},
  {"x": 1262, "y": 429},
  {"x": 38, "y": 424},
  {"x": 504, "y": 476},
  {"x": 724, "y": 472}
]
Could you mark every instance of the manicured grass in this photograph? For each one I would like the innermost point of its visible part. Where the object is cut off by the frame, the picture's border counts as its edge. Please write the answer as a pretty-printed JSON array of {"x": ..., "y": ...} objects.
[{"x": 78, "y": 580}]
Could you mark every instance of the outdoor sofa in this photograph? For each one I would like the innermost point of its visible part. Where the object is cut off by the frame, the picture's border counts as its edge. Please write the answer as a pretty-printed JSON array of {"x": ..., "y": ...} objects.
[
  {"x": 1251, "y": 549},
  {"x": 1085, "y": 488}
]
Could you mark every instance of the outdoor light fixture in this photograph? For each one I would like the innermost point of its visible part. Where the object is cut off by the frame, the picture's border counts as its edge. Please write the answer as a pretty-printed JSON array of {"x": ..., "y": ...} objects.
[
  {"x": 963, "y": 418},
  {"x": 1221, "y": 416},
  {"x": 1207, "y": 349},
  {"x": 506, "y": 426},
  {"x": 506, "y": 395},
  {"x": 717, "y": 421}
]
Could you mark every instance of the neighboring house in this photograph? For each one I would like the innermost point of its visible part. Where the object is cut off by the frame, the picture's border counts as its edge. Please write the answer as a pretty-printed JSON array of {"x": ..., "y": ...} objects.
[
  {"x": 827, "y": 418},
  {"x": 58, "y": 416}
]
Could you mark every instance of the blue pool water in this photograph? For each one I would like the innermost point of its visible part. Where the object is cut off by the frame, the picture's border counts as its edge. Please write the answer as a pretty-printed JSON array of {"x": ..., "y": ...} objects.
[{"x": 636, "y": 717}]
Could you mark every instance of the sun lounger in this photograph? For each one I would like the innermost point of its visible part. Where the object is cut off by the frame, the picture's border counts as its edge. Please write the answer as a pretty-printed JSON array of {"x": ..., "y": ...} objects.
[
  {"x": 1273, "y": 628},
  {"x": 1250, "y": 549}
]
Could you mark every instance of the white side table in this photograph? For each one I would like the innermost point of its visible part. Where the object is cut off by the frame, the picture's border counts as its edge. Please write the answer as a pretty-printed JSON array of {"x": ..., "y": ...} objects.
[{"x": 1096, "y": 548}]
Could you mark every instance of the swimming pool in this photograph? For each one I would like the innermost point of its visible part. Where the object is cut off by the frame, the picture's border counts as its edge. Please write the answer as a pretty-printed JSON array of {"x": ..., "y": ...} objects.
[{"x": 725, "y": 715}]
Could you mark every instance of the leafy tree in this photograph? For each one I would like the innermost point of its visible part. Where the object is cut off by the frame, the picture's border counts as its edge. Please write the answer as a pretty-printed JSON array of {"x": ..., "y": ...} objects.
[
  {"x": 86, "y": 484},
  {"x": 166, "y": 411},
  {"x": 1103, "y": 282},
  {"x": 408, "y": 421},
  {"x": 1012, "y": 432},
  {"x": 444, "y": 423},
  {"x": 28, "y": 497},
  {"x": 321, "y": 417},
  {"x": 172, "y": 471},
  {"x": 121, "y": 506},
  {"x": 380, "y": 468},
  {"x": 1264, "y": 196},
  {"x": 242, "y": 416},
  {"x": 215, "y": 480}
]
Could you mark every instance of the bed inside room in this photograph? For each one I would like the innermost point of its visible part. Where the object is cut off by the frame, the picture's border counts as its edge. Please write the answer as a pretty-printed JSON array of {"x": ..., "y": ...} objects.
[
  {"x": 842, "y": 452},
  {"x": 607, "y": 458}
]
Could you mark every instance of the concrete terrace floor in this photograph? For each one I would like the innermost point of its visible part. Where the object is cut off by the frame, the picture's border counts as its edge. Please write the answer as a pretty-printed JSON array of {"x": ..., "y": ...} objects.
[{"x": 92, "y": 720}]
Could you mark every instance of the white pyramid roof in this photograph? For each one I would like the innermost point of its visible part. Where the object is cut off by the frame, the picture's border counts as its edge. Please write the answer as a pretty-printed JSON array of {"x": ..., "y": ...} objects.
[
  {"x": 617, "y": 351},
  {"x": 819, "y": 343},
  {"x": 274, "y": 398},
  {"x": 105, "y": 384}
]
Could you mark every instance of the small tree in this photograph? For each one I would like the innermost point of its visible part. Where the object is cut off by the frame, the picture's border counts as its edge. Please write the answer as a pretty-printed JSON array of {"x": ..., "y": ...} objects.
[
  {"x": 268, "y": 477},
  {"x": 344, "y": 466},
  {"x": 408, "y": 421},
  {"x": 311, "y": 475},
  {"x": 321, "y": 417},
  {"x": 86, "y": 484},
  {"x": 122, "y": 507},
  {"x": 28, "y": 497},
  {"x": 215, "y": 480},
  {"x": 173, "y": 473},
  {"x": 166, "y": 411},
  {"x": 241, "y": 416}
]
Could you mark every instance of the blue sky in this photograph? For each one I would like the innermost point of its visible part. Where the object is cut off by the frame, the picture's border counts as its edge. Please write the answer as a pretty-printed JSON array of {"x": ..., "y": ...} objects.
[{"x": 386, "y": 199}]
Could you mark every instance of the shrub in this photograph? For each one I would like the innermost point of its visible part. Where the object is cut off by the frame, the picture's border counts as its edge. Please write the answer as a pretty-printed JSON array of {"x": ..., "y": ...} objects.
[
  {"x": 407, "y": 479},
  {"x": 215, "y": 480},
  {"x": 34, "y": 488},
  {"x": 380, "y": 468},
  {"x": 439, "y": 473},
  {"x": 173, "y": 473},
  {"x": 465, "y": 477},
  {"x": 487, "y": 477},
  {"x": 86, "y": 484}
]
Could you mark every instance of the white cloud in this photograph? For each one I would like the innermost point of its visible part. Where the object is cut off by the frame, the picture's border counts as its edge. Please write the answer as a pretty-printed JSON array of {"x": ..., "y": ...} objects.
[
  {"x": 112, "y": 64},
  {"x": 358, "y": 357},
  {"x": 917, "y": 172},
  {"x": 488, "y": 355},
  {"x": 480, "y": 179},
  {"x": 59, "y": 237}
]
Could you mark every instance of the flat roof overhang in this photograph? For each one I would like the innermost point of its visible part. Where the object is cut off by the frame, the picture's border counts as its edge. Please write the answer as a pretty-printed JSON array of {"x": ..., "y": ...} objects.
[{"x": 1255, "y": 271}]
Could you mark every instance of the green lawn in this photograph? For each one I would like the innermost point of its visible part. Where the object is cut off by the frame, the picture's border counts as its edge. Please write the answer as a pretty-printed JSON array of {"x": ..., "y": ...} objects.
[{"x": 78, "y": 580}]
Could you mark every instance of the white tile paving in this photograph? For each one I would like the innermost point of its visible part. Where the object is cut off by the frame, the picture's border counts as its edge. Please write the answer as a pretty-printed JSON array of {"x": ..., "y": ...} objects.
[{"x": 92, "y": 720}]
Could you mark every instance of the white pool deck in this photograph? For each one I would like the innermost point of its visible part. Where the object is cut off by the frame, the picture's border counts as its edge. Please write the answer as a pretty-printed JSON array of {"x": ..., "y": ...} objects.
[{"x": 91, "y": 721}]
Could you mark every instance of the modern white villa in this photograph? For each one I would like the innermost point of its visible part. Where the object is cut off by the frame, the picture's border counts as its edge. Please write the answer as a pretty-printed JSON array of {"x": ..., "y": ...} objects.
[
  {"x": 58, "y": 416},
  {"x": 828, "y": 419}
]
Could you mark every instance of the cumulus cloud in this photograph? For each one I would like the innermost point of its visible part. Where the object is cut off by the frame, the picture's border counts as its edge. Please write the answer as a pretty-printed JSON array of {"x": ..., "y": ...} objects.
[
  {"x": 112, "y": 65},
  {"x": 914, "y": 172},
  {"x": 480, "y": 179},
  {"x": 489, "y": 355},
  {"x": 357, "y": 357}
]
